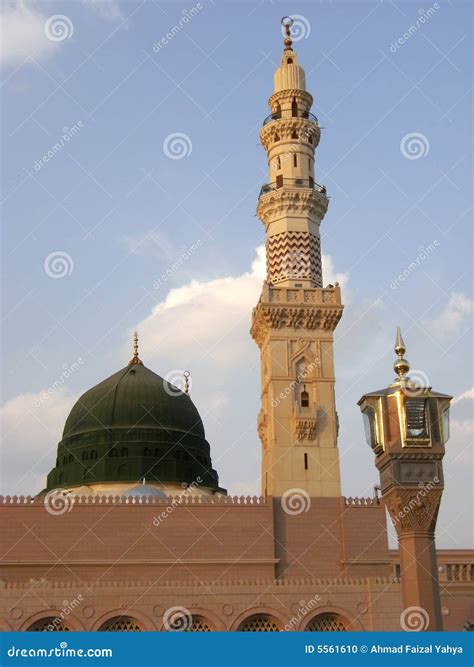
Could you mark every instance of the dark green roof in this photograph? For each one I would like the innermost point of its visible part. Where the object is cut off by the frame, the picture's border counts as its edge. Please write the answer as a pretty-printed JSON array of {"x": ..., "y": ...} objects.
[
  {"x": 134, "y": 397},
  {"x": 132, "y": 425}
]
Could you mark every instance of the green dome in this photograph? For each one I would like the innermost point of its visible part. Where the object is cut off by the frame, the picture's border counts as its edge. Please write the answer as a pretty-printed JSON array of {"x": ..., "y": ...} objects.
[{"x": 131, "y": 426}]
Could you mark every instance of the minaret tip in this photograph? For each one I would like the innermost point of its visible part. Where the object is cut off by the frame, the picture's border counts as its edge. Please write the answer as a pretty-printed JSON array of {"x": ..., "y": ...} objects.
[
  {"x": 287, "y": 22},
  {"x": 135, "y": 359},
  {"x": 401, "y": 365}
]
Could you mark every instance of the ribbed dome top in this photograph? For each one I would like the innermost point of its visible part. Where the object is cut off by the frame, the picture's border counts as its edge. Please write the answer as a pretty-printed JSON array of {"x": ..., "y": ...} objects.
[
  {"x": 134, "y": 397},
  {"x": 132, "y": 426},
  {"x": 290, "y": 75}
]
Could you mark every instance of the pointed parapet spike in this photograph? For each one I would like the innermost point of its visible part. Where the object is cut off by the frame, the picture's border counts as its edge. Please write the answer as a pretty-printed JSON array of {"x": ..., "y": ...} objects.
[{"x": 400, "y": 347}]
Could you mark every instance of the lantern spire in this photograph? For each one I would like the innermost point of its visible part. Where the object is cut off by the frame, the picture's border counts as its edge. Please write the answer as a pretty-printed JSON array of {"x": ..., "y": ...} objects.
[{"x": 401, "y": 365}]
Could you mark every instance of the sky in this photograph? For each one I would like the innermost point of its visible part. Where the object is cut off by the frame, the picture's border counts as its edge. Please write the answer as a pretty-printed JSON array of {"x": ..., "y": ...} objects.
[{"x": 131, "y": 167}]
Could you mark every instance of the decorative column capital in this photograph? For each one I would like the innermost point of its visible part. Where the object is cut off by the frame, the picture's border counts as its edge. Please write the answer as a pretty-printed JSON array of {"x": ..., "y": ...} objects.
[
  {"x": 281, "y": 307},
  {"x": 414, "y": 511}
]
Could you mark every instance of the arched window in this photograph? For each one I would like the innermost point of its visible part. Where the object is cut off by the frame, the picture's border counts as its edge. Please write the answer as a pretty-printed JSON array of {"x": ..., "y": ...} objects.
[
  {"x": 294, "y": 108},
  {"x": 71, "y": 458},
  {"x": 50, "y": 624},
  {"x": 304, "y": 398},
  {"x": 326, "y": 623},
  {"x": 277, "y": 113},
  {"x": 260, "y": 623},
  {"x": 278, "y": 163},
  {"x": 294, "y": 134},
  {"x": 295, "y": 160},
  {"x": 199, "y": 624},
  {"x": 85, "y": 456},
  {"x": 124, "y": 451},
  {"x": 289, "y": 61},
  {"x": 113, "y": 452},
  {"x": 93, "y": 454},
  {"x": 121, "y": 624}
]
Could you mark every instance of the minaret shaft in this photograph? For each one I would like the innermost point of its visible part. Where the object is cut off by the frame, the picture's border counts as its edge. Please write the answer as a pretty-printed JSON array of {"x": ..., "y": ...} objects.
[{"x": 295, "y": 317}]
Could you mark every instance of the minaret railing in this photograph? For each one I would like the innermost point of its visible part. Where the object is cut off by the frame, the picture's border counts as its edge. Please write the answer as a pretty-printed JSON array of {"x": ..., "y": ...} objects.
[
  {"x": 296, "y": 114},
  {"x": 292, "y": 183}
]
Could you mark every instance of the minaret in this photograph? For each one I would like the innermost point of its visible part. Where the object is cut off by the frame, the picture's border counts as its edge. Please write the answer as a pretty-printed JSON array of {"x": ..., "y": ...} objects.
[
  {"x": 295, "y": 317},
  {"x": 407, "y": 426}
]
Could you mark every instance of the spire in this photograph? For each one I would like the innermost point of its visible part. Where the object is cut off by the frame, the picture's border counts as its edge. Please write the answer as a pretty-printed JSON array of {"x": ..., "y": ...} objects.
[
  {"x": 135, "y": 359},
  {"x": 401, "y": 365},
  {"x": 287, "y": 22},
  {"x": 289, "y": 76}
]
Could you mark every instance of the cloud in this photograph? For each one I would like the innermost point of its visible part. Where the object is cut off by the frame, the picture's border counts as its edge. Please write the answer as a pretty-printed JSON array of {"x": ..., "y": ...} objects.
[
  {"x": 452, "y": 320},
  {"x": 468, "y": 394},
  {"x": 22, "y": 29},
  {"x": 213, "y": 317},
  {"x": 31, "y": 426},
  {"x": 22, "y": 32}
]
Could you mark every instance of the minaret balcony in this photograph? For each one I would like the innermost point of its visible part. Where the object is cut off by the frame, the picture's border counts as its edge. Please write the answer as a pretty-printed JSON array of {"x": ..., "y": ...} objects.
[
  {"x": 296, "y": 114},
  {"x": 292, "y": 183}
]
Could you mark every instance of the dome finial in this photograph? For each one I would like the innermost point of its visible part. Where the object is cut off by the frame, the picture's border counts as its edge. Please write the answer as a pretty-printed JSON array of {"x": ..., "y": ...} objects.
[
  {"x": 186, "y": 381},
  {"x": 135, "y": 359},
  {"x": 287, "y": 22},
  {"x": 401, "y": 365}
]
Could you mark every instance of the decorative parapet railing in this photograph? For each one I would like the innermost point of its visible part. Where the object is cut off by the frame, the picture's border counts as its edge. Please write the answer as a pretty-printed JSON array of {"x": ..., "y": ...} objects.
[
  {"x": 299, "y": 114},
  {"x": 240, "y": 584},
  {"x": 24, "y": 501},
  {"x": 361, "y": 502}
]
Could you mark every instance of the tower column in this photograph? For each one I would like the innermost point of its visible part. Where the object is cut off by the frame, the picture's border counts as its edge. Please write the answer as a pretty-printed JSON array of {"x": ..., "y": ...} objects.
[
  {"x": 295, "y": 317},
  {"x": 407, "y": 426}
]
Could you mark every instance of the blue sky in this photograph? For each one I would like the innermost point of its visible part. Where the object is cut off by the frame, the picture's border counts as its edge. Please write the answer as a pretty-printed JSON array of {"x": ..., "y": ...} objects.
[{"x": 121, "y": 212}]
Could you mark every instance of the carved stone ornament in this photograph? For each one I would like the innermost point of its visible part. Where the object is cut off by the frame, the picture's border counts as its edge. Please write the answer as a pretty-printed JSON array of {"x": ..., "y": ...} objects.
[{"x": 413, "y": 510}]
